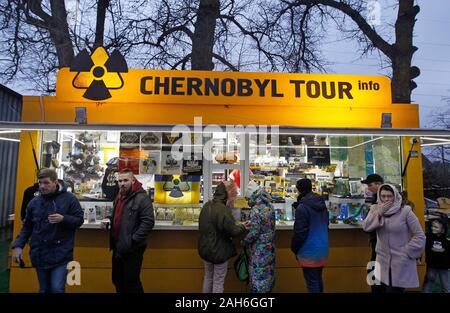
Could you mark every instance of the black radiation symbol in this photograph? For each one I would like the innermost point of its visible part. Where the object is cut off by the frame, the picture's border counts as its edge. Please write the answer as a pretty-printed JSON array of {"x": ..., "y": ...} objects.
[{"x": 97, "y": 89}]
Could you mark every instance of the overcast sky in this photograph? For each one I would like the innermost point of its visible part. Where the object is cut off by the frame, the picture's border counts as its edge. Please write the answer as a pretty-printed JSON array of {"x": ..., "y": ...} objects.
[
  {"x": 432, "y": 37},
  {"x": 433, "y": 57}
]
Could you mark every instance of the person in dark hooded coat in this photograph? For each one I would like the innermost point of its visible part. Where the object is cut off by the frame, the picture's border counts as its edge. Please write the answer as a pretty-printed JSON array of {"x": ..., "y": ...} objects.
[
  {"x": 217, "y": 227},
  {"x": 310, "y": 240}
]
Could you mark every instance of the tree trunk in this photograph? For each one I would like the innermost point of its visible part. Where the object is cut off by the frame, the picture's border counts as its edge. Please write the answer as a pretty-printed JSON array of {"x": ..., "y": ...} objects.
[
  {"x": 59, "y": 32},
  {"x": 100, "y": 27},
  {"x": 402, "y": 73},
  {"x": 399, "y": 53},
  {"x": 203, "y": 40}
]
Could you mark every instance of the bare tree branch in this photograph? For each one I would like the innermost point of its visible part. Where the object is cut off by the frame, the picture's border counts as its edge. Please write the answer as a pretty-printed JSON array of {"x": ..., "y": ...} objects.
[{"x": 224, "y": 61}]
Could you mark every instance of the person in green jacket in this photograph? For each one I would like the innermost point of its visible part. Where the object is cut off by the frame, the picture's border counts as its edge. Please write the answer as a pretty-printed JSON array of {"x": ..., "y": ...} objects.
[{"x": 217, "y": 227}]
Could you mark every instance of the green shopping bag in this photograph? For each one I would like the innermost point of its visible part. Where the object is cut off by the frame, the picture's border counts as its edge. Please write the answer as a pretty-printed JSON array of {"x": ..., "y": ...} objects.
[{"x": 241, "y": 266}]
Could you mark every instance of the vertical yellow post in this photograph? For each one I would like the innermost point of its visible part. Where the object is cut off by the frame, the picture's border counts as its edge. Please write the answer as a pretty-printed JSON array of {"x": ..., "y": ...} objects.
[{"x": 413, "y": 179}]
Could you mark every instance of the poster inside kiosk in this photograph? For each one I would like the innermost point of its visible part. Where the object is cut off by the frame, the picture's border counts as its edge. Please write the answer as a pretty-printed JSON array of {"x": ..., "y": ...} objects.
[{"x": 105, "y": 78}]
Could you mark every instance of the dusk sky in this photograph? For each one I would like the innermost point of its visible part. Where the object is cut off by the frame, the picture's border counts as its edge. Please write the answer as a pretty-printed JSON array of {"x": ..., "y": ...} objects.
[
  {"x": 432, "y": 37},
  {"x": 433, "y": 57}
]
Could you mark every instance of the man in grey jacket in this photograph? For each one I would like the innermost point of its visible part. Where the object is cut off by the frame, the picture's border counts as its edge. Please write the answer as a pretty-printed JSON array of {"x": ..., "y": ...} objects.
[{"x": 131, "y": 223}]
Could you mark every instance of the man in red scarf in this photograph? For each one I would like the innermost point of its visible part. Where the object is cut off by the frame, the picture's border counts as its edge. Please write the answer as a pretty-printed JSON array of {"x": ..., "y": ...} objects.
[{"x": 132, "y": 221}]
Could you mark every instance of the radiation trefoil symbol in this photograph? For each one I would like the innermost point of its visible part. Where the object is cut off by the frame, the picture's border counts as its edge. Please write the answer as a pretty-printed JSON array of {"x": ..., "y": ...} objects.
[{"x": 98, "y": 73}]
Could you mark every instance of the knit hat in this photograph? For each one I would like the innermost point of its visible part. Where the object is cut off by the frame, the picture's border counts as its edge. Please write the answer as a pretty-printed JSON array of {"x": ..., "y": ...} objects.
[{"x": 373, "y": 178}]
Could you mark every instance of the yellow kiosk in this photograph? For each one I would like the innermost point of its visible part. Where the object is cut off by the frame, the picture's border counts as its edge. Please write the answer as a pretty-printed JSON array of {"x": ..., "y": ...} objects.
[{"x": 326, "y": 127}]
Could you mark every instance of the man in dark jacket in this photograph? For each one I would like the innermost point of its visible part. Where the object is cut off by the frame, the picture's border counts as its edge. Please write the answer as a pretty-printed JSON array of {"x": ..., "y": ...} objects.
[
  {"x": 373, "y": 182},
  {"x": 51, "y": 221},
  {"x": 310, "y": 240},
  {"x": 217, "y": 227},
  {"x": 132, "y": 221}
]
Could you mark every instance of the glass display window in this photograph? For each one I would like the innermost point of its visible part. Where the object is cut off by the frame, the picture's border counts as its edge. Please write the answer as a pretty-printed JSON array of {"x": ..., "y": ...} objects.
[
  {"x": 335, "y": 165},
  {"x": 89, "y": 161},
  {"x": 180, "y": 171}
]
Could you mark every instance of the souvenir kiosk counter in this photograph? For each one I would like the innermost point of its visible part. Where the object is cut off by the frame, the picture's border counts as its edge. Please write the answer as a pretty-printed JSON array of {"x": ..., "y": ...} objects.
[{"x": 170, "y": 128}]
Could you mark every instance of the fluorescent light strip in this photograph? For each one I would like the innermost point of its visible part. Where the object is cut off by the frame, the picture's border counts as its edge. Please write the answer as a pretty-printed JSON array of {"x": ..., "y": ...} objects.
[
  {"x": 436, "y": 139},
  {"x": 436, "y": 144},
  {"x": 9, "y": 131},
  {"x": 9, "y": 139},
  {"x": 298, "y": 146},
  {"x": 283, "y": 129},
  {"x": 331, "y": 147}
]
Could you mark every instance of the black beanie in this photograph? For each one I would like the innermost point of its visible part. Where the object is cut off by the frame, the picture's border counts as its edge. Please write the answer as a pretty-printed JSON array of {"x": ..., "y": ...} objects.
[{"x": 304, "y": 186}]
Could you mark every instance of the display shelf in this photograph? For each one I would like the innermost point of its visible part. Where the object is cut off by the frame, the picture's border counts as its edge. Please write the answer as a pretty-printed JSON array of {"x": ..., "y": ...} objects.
[
  {"x": 159, "y": 225},
  {"x": 338, "y": 200},
  {"x": 235, "y": 166},
  {"x": 86, "y": 225},
  {"x": 289, "y": 225},
  {"x": 269, "y": 168},
  {"x": 84, "y": 200},
  {"x": 165, "y": 225},
  {"x": 175, "y": 206}
]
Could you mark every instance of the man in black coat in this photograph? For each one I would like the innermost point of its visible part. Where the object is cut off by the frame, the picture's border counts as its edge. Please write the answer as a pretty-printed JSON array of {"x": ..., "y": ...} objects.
[{"x": 131, "y": 223}]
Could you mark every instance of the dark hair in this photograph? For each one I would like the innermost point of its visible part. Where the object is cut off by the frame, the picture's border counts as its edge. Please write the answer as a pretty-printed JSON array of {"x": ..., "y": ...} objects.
[
  {"x": 304, "y": 186},
  {"x": 48, "y": 173},
  {"x": 387, "y": 188},
  {"x": 373, "y": 178},
  {"x": 126, "y": 171},
  {"x": 443, "y": 221}
]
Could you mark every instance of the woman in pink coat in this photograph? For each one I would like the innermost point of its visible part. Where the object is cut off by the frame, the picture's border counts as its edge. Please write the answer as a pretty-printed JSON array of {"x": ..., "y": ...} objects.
[{"x": 400, "y": 240}]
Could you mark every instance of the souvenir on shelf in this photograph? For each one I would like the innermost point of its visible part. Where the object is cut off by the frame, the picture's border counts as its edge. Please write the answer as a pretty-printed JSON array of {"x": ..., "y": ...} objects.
[
  {"x": 192, "y": 165},
  {"x": 149, "y": 162},
  {"x": 226, "y": 157},
  {"x": 169, "y": 164},
  {"x": 151, "y": 141},
  {"x": 177, "y": 189}
]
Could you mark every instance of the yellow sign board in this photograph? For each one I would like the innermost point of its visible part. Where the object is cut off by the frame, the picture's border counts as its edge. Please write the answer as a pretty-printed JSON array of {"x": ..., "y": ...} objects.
[{"x": 218, "y": 88}]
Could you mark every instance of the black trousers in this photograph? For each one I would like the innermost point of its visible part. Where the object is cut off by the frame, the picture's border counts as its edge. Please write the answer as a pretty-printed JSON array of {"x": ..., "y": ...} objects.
[
  {"x": 126, "y": 272},
  {"x": 373, "y": 257},
  {"x": 389, "y": 288}
]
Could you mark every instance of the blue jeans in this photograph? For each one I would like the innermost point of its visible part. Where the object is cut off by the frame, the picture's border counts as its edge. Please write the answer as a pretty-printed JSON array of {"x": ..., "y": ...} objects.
[
  {"x": 313, "y": 279},
  {"x": 52, "y": 280},
  {"x": 430, "y": 278}
]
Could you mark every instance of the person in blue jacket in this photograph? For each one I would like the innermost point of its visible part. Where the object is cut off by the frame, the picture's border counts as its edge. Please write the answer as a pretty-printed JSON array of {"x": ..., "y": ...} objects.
[
  {"x": 50, "y": 224},
  {"x": 310, "y": 240}
]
